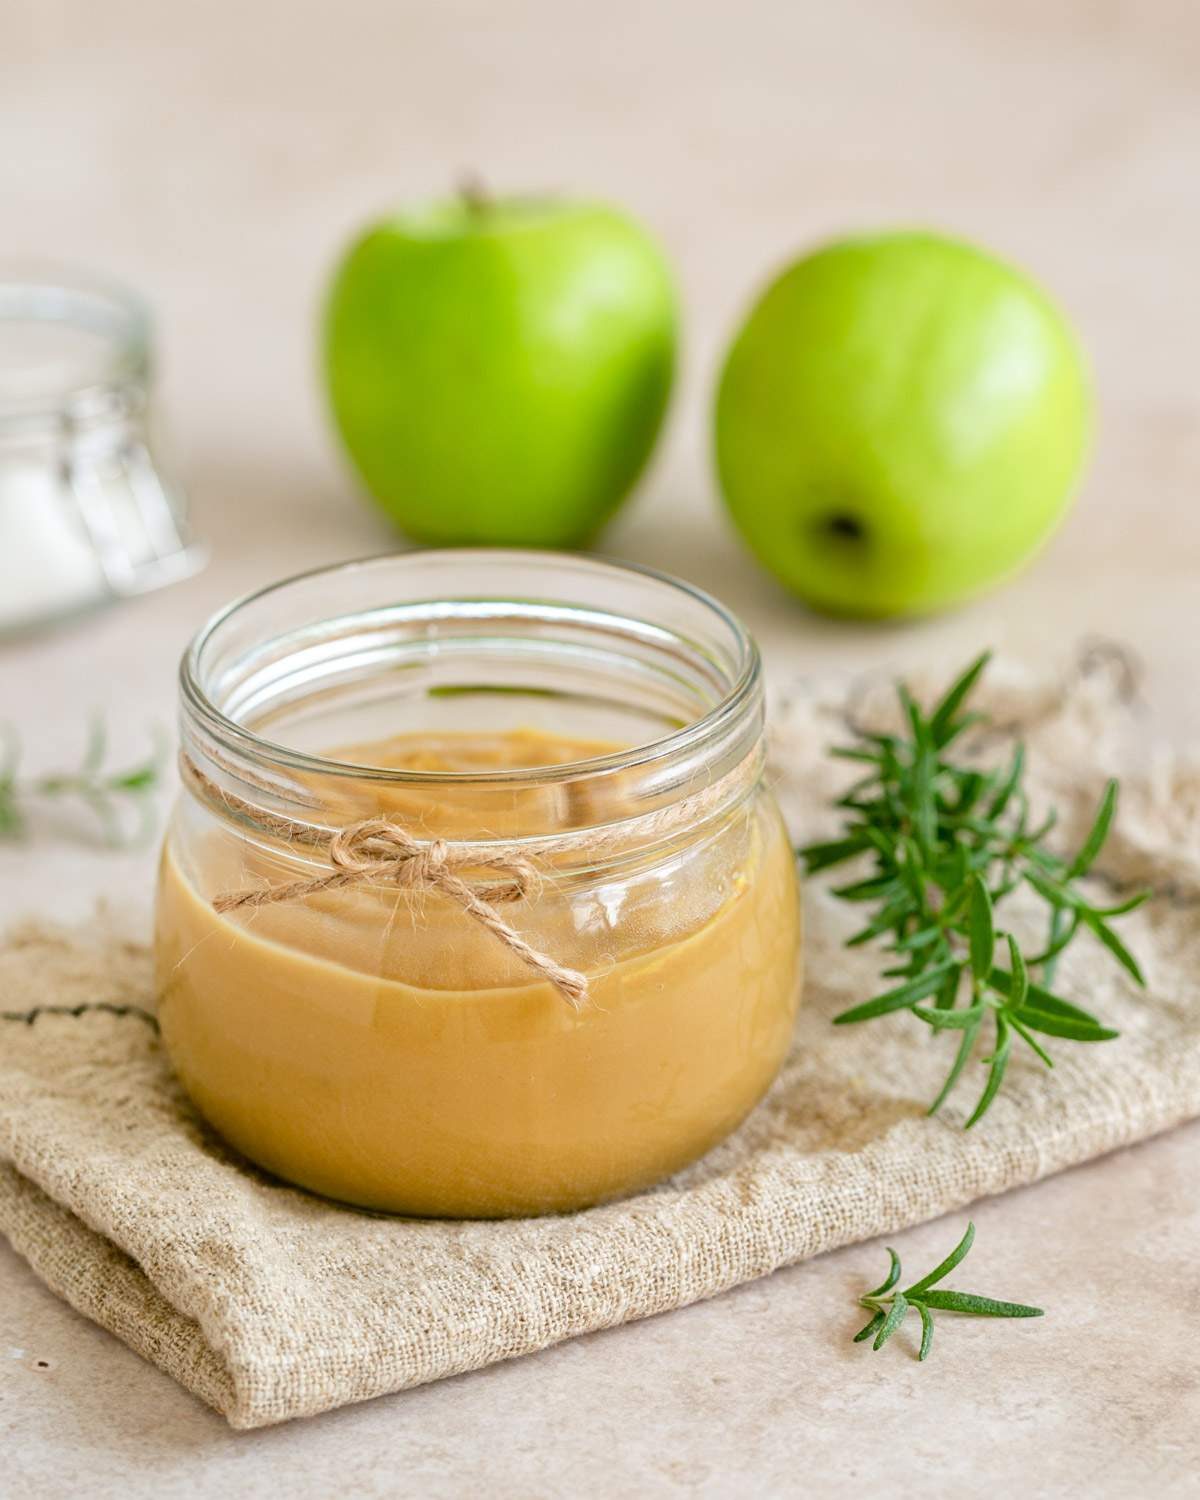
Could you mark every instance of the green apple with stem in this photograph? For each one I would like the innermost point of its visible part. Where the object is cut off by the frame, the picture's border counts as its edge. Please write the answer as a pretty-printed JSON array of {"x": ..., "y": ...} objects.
[
  {"x": 499, "y": 368},
  {"x": 900, "y": 423}
]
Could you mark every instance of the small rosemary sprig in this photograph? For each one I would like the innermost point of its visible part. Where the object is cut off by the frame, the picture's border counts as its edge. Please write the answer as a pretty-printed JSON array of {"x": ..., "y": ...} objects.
[
  {"x": 948, "y": 843},
  {"x": 109, "y": 795},
  {"x": 889, "y": 1308}
]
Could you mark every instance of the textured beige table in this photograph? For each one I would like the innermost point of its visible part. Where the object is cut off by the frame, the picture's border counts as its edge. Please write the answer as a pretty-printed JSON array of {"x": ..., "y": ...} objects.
[{"x": 217, "y": 155}]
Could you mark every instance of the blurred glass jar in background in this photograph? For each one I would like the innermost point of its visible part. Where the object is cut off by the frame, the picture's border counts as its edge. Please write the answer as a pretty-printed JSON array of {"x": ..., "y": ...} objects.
[{"x": 87, "y": 512}]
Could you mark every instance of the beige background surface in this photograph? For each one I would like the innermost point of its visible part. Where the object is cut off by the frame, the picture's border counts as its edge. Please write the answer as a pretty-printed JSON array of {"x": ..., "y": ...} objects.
[{"x": 217, "y": 156}]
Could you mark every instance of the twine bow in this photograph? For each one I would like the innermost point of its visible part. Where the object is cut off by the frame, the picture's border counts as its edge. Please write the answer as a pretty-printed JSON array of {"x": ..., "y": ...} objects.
[{"x": 376, "y": 850}]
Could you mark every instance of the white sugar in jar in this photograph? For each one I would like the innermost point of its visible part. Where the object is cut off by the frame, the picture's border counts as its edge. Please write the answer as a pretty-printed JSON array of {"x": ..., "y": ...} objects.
[{"x": 87, "y": 512}]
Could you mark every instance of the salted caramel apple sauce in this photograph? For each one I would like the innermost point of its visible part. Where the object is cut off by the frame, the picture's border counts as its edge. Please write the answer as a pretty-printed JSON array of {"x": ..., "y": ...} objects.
[{"x": 375, "y": 1045}]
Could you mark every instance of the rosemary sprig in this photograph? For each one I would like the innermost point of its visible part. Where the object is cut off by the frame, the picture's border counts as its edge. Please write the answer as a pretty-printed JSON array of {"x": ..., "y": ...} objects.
[
  {"x": 889, "y": 1308},
  {"x": 948, "y": 843},
  {"x": 109, "y": 795}
]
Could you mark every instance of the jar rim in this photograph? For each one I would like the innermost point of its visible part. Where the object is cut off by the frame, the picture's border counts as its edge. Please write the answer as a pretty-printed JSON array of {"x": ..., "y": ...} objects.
[
  {"x": 43, "y": 292},
  {"x": 238, "y": 737}
]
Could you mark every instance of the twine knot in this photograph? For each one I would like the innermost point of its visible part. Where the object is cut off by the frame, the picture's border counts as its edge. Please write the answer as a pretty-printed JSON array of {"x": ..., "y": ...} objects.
[{"x": 376, "y": 850}]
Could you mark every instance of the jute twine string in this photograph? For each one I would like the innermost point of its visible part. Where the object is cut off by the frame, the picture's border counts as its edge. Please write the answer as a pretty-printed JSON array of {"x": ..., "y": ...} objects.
[{"x": 377, "y": 851}]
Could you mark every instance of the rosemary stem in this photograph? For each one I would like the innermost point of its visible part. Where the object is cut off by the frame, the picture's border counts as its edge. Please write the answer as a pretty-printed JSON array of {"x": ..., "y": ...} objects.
[{"x": 951, "y": 841}]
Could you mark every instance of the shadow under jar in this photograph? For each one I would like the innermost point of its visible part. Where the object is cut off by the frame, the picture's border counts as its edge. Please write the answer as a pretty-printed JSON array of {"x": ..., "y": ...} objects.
[{"x": 579, "y": 746}]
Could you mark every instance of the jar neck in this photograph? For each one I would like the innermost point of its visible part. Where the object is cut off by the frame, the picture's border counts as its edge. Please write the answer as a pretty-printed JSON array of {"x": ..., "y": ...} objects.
[
  {"x": 583, "y": 648},
  {"x": 75, "y": 366}
]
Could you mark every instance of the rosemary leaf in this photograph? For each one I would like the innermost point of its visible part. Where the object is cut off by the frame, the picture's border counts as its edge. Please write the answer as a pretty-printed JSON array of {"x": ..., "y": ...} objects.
[
  {"x": 1094, "y": 842},
  {"x": 982, "y": 932},
  {"x": 997, "y": 1065},
  {"x": 892, "y": 1277},
  {"x": 966, "y": 1046},
  {"x": 871, "y": 1329},
  {"x": 900, "y": 998},
  {"x": 1065, "y": 1026},
  {"x": 1018, "y": 987},
  {"x": 1114, "y": 944},
  {"x": 941, "y": 724},
  {"x": 893, "y": 1320},
  {"x": 985, "y": 1307},
  {"x": 926, "y": 1331},
  {"x": 960, "y": 1252}
]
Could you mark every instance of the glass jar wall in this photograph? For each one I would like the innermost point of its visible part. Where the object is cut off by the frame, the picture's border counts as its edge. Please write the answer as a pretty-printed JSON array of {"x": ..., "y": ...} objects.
[
  {"x": 579, "y": 746},
  {"x": 88, "y": 511}
]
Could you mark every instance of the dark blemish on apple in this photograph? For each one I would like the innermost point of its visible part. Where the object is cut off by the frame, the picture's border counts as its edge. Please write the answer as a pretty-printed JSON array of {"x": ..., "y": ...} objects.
[{"x": 841, "y": 527}]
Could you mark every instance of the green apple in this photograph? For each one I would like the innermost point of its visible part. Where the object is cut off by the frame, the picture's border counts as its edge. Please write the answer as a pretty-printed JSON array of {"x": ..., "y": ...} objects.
[
  {"x": 900, "y": 423},
  {"x": 499, "y": 369}
]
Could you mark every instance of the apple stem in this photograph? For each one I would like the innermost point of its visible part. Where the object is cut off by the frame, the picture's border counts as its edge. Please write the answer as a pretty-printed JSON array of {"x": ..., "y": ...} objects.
[{"x": 473, "y": 192}]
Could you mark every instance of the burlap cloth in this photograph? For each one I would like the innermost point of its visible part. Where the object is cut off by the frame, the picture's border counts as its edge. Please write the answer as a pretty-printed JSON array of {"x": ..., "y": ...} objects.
[{"x": 271, "y": 1304}]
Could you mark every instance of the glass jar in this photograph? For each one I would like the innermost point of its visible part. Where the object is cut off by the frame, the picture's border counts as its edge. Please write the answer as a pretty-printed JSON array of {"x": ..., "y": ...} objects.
[
  {"x": 578, "y": 745},
  {"x": 87, "y": 513}
]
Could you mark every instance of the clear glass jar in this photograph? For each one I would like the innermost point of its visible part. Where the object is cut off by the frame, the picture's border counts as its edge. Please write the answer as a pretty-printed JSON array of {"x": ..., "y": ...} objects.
[
  {"x": 371, "y": 1038},
  {"x": 87, "y": 511}
]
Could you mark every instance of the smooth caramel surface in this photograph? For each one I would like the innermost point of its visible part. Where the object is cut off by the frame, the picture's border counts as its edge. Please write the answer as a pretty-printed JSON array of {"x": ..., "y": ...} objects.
[{"x": 389, "y": 1052}]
